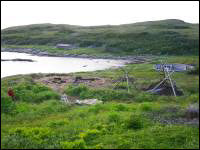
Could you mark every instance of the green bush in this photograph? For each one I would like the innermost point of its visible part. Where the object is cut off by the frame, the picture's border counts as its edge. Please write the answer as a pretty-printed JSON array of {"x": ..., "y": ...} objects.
[
  {"x": 23, "y": 137},
  {"x": 7, "y": 105},
  {"x": 78, "y": 144},
  {"x": 113, "y": 117},
  {"x": 35, "y": 134},
  {"x": 46, "y": 95},
  {"x": 76, "y": 90},
  {"x": 89, "y": 135},
  {"x": 146, "y": 106},
  {"x": 22, "y": 107},
  {"x": 40, "y": 88},
  {"x": 135, "y": 122},
  {"x": 28, "y": 92}
]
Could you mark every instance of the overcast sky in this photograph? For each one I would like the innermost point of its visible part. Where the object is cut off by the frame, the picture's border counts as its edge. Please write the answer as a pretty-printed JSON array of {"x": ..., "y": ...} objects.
[{"x": 95, "y": 13}]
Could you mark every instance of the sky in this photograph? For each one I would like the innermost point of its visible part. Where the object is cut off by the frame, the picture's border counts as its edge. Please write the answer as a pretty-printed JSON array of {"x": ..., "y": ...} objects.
[{"x": 88, "y": 13}]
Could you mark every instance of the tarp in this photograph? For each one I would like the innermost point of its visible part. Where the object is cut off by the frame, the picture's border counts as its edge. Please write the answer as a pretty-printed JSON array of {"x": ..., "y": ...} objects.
[{"x": 173, "y": 67}]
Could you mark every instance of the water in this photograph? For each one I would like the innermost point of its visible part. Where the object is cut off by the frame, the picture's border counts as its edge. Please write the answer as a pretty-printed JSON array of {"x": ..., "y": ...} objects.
[{"x": 45, "y": 64}]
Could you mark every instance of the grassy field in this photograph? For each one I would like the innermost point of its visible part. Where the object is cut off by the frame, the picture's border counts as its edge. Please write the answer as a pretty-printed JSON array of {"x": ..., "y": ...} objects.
[
  {"x": 173, "y": 37},
  {"x": 125, "y": 120}
]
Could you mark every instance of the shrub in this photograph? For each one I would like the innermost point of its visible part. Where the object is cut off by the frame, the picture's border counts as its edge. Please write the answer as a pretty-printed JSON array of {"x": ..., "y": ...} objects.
[
  {"x": 101, "y": 127},
  {"x": 146, "y": 106},
  {"x": 99, "y": 146},
  {"x": 113, "y": 117},
  {"x": 7, "y": 105},
  {"x": 23, "y": 137},
  {"x": 78, "y": 144},
  {"x": 28, "y": 92},
  {"x": 89, "y": 135},
  {"x": 35, "y": 134},
  {"x": 22, "y": 107},
  {"x": 46, "y": 95},
  {"x": 30, "y": 96},
  {"x": 76, "y": 90},
  {"x": 134, "y": 122},
  {"x": 40, "y": 88}
]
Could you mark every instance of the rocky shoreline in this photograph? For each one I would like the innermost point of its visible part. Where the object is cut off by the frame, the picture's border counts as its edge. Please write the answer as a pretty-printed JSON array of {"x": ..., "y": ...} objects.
[
  {"x": 18, "y": 59},
  {"x": 37, "y": 52}
]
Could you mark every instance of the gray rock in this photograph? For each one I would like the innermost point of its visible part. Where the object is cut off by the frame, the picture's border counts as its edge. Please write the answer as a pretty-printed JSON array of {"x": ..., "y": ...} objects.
[{"x": 88, "y": 102}]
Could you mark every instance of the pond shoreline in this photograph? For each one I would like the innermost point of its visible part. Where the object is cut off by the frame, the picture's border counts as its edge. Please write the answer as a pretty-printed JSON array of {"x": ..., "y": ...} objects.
[{"x": 37, "y": 52}]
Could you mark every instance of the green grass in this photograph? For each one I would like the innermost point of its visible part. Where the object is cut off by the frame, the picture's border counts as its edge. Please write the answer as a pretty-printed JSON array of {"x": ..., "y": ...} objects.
[
  {"x": 107, "y": 128},
  {"x": 38, "y": 119}
]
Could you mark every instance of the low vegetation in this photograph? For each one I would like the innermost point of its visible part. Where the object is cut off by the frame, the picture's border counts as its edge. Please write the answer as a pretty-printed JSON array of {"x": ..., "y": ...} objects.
[{"x": 38, "y": 120}]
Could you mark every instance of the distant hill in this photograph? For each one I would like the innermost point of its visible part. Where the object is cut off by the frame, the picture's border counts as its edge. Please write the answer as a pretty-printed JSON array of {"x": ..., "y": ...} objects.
[{"x": 154, "y": 37}]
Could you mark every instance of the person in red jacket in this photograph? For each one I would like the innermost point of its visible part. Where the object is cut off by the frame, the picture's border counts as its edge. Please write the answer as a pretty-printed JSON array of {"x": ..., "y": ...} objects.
[{"x": 11, "y": 93}]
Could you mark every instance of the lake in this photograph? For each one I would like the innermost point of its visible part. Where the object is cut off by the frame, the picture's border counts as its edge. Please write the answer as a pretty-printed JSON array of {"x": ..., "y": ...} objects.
[{"x": 45, "y": 64}]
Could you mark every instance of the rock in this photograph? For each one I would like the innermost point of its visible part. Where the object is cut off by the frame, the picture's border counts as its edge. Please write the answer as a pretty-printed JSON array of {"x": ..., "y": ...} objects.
[
  {"x": 88, "y": 102},
  {"x": 43, "y": 53}
]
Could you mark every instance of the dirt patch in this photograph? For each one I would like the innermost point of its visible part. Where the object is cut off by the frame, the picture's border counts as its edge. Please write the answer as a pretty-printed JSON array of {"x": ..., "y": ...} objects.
[{"x": 58, "y": 82}]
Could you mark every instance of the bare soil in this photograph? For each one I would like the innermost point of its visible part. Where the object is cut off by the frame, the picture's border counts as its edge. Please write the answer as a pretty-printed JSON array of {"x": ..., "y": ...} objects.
[{"x": 58, "y": 82}]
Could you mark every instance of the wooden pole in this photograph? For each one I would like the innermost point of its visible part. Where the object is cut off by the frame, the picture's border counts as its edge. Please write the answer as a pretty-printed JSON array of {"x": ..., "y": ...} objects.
[
  {"x": 171, "y": 82},
  {"x": 127, "y": 80},
  {"x": 162, "y": 81}
]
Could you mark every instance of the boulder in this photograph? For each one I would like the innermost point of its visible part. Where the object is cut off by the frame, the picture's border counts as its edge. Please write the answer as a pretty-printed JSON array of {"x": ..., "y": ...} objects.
[{"x": 88, "y": 102}]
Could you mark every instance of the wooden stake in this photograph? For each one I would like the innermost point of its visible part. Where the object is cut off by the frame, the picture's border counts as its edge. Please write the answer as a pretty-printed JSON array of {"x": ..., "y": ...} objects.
[{"x": 171, "y": 82}]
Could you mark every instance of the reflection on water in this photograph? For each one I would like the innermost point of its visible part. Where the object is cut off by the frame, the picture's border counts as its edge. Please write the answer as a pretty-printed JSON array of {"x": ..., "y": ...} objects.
[{"x": 52, "y": 64}]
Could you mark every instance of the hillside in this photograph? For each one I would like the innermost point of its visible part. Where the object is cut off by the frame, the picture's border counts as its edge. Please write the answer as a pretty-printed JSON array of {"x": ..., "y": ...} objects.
[{"x": 171, "y": 36}]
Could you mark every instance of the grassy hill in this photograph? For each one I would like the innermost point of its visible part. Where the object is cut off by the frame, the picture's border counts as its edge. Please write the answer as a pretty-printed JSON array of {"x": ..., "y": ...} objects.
[{"x": 154, "y": 37}]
